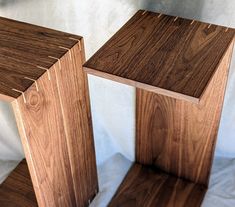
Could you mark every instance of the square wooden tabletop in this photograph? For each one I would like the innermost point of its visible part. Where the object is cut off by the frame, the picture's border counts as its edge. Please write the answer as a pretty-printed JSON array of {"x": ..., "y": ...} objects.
[
  {"x": 165, "y": 54},
  {"x": 26, "y": 52}
]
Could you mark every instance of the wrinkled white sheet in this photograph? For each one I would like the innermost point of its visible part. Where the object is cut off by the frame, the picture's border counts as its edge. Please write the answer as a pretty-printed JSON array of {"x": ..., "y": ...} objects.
[{"x": 221, "y": 192}]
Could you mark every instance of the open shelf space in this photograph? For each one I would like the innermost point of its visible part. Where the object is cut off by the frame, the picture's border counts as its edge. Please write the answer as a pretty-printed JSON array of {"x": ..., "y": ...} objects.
[
  {"x": 148, "y": 187},
  {"x": 17, "y": 190}
]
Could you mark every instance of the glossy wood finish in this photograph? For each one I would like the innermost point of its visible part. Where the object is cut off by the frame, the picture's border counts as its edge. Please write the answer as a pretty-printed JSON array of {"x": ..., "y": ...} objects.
[
  {"x": 148, "y": 187},
  {"x": 163, "y": 54},
  {"x": 17, "y": 189},
  {"x": 178, "y": 136},
  {"x": 52, "y": 110}
]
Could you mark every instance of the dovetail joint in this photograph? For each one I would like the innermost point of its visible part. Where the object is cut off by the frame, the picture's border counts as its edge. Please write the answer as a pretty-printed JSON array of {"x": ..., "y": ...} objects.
[
  {"x": 80, "y": 46},
  {"x": 192, "y": 22},
  {"x": 176, "y": 18},
  {"x": 144, "y": 12},
  {"x": 36, "y": 84},
  {"x": 58, "y": 59},
  {"x": 79, "y": 42},
  {"x": 65, "y": 48},
  {"x": 71, "y": 38},
  {"x": 70, "y": 56},
  {"x": 46, "y": 69},
  {"x": 22, "y": 93}
]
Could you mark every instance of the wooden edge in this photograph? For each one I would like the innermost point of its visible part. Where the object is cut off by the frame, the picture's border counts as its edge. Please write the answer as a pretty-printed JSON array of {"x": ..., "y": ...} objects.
[
  {"x": 143, "y": 11},
  {"x": 79, "y": 48},
  {"x": 6, "y": 98},
  {"x": 24, "y": 140},
  {"x": 79, "y": 41},
  {"x": 141, "y": 85},
  {"x": 83, "y": 53},
  {"x": 230, "y": 47}
]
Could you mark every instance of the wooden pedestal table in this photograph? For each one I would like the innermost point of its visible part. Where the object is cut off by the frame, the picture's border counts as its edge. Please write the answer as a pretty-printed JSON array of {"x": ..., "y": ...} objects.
[
  {"x": 41, "y": 75},
  {"x": 180, "y": 69}
]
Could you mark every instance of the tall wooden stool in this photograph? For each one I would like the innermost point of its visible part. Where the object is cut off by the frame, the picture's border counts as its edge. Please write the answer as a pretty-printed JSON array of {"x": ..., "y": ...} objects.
[
  {"x": 180, "y": 69},
  {"x": 41, "y": 75}
]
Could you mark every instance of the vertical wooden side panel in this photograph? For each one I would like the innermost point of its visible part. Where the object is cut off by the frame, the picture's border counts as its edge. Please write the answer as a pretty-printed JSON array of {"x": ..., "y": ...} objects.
[
  {"x": 45, "y": 140},
  {"x": 75, "y": 105},
  {"x": 56, "y": 132},
  {"x": 178, "y": 136}
]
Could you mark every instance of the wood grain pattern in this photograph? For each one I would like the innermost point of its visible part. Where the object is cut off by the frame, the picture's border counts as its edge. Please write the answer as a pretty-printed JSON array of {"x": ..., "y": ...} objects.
[
  {"x": 173, "y": 58},
  {"x": 41, "y": 74},
  {"x": 178, "y": 136},
  {"x": 24, "y": 47},
  {"x": 148, "y": 187},
  {"x": 17, "y": 189},
  {"x": 180, "y": 69},
  {"x": 56, "y": 131},
  {"x": 75, "y": 101},
  {"x": 38, "y": 33}
]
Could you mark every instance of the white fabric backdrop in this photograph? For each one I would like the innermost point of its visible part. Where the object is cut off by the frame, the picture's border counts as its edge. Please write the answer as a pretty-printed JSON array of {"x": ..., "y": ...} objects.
[{"x": 113, "y": 104}]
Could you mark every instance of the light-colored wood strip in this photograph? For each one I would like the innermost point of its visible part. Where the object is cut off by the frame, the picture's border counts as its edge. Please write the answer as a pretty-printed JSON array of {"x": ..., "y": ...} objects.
[
  {"x": 141, "y": 85},
  {"x": 6, "y": 98},
  {"x": 27, "y": 150}
]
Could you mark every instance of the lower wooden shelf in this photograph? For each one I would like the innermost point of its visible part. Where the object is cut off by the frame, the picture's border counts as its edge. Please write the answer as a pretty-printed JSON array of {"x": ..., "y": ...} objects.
[
  {"x": 17, "y": 190},
  {"x": 148, "y": 187},
  {"x": 142, "y": 186}
]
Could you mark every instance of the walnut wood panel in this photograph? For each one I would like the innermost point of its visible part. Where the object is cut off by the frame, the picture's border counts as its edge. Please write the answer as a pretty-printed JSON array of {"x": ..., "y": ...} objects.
[
  {"x": 73, "y": 91},
  {"x": 37, "y": 33},
  {"x": 41, "y": 74},
  {"x": 148, "y": 187},
  {"x": 178, "y": 136},
  {"x": 55, "y": 127},
  {"x": 165, "y": 54},
  {"x": 185, "y": 63},
  {"x": 17, "y": 189},
  {"x": 28, "y": 51}
]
